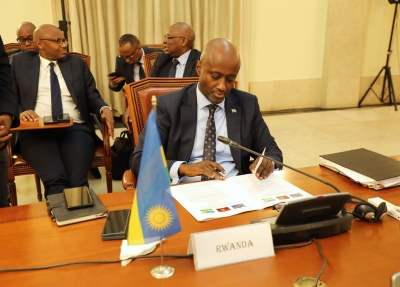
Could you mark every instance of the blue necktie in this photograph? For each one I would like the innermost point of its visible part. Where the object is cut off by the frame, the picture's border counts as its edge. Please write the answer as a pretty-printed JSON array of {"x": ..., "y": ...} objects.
[
  {"x": 209, "y": 147},
  {"x": 56, "y": 103},
  {"x": 172, "y": 71}
]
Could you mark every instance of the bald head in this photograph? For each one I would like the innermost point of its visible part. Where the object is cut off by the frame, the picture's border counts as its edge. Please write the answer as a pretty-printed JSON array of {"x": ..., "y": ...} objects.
[
  {"x": 45, "y": 31},
  {"x": 217, "y": 69},
  {"x": 49, "y": 40},
  {"x": 221, "y": 50},
  {"x": 179, "y": 39},
  {"x": 25, "y": 36},
  {"x": 185, "y": 30},
  {"x": 26, "y": 25}
]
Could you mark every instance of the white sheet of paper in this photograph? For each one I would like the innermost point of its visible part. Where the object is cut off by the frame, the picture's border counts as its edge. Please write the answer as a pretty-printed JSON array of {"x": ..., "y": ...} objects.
[{"x": 213, "y": 199}]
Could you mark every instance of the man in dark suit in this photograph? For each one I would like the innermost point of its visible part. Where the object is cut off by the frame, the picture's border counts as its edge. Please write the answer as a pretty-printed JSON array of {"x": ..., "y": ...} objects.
[
  {"x": 8, "y": 118},
  {"x": 128, "y": 66},
  {"x": 179, "y": 58},
  {"x": 52, "y": 82},
  {"x": 25, "y": 38},
  {"x": 183, "y": 115}
]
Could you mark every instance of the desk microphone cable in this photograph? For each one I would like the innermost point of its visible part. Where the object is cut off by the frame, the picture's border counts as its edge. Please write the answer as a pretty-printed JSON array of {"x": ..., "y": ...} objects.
[
  {"x": 323, "y": 264},
  {"x": 305, "y": 244},
  {"x": 92, "y": 262}
]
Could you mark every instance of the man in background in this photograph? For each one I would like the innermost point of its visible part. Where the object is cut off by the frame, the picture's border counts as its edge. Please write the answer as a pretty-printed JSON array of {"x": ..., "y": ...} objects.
[
  {"x": 179, "y": 58},
  {"x": 53, "y": 82},
  {"x": 25, "y": 38},
  {"x": 128, "y": 66},
  {"x": 8, "y": 118},
  {"x": 191, "y": 119}
]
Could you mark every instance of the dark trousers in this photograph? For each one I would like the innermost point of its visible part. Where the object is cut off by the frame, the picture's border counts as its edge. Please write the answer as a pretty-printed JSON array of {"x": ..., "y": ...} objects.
[{"x": 61, "y": 157}]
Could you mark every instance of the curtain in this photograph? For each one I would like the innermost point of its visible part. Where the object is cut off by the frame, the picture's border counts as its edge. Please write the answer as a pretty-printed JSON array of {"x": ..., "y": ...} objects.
[{"x": 96, "y": 26}]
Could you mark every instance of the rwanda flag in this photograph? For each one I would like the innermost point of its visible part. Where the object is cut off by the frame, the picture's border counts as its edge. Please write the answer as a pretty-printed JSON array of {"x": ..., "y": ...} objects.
[{"x": 153, "y": 215}]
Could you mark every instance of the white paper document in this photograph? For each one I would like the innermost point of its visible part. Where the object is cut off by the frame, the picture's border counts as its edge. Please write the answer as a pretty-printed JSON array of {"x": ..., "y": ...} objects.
[{"x": 214, "y": 199}]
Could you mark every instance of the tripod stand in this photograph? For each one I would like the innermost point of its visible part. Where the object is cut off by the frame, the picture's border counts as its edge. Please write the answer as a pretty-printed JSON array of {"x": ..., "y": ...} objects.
[{"x": 388, "y": 75}]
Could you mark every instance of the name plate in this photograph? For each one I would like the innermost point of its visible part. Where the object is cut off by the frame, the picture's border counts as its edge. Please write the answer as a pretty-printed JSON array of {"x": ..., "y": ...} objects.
[{"x": 231, "y": 245}]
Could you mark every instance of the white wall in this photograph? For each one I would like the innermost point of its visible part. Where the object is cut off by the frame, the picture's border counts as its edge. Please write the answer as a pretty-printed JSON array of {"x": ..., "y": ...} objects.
[
  {"x": 287, "y": 39},
  {"x": 13, "y": 12},
  {"x": 378, "y": 36}
]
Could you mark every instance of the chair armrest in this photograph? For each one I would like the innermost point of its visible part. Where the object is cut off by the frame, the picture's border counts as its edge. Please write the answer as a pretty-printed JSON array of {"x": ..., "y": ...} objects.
[
  {"x": 106, "y": 140},
  {"x": 129, "y": 180}
]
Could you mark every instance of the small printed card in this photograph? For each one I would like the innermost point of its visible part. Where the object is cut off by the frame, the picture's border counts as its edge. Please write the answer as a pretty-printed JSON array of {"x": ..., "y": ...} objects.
[{"x": 231, "y": 245}]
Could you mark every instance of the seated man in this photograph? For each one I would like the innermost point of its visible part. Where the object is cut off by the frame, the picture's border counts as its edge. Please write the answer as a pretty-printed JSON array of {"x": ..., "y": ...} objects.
[
  {"x": 128, "y": 66},
  {"x": 25, "y": 38},
  {"x": 53, "y": 82},
  {"x": 179, "y": 58},
  {"x": 183, "y": 115},
  {"x": 8, "y": 118}
]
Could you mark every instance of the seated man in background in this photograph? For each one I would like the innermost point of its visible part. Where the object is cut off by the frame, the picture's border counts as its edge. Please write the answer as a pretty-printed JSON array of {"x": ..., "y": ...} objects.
[
  {"x": 128, "y": 66},
  {"x": 183, "y": 116},
  {"x": 25, "y": 38},
  {"x": 8, "y": 118},
  {"x": 179, "y": 58},
  {"x": 52, "y": 82}
]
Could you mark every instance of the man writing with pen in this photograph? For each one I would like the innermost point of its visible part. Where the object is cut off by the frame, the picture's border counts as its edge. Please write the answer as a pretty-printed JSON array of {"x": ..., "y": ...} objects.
[{"x": 190, "y": 120}]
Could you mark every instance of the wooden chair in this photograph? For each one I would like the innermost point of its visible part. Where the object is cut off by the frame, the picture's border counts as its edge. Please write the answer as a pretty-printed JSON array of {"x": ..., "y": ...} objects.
[
  {"x": 18, "y": 166},
  {"x": 86, "y": 58},
  {"x": 12, "y": 46},
  {"x": 148, "y": 62},
  {"x": 158, "y": 46},
  {"x": 139, "y": 102}
]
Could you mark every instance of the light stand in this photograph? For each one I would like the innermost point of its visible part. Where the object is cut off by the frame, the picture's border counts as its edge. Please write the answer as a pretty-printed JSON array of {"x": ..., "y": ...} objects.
[
  {"x": 386, "y": 68},
  {"x": 63, "y": 24}
]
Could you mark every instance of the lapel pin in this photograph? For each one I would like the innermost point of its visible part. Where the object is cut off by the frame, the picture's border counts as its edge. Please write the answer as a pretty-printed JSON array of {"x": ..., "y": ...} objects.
[{"x": 233, "y": 111}]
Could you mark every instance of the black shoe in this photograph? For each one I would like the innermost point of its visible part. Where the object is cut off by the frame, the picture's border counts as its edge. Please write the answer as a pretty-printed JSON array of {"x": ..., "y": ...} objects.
[{"x": 95, "y": 172}]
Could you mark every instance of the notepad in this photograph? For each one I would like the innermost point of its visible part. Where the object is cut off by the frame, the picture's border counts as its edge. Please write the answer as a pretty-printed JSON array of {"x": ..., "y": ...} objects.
[{"x": 57, "y": 208}]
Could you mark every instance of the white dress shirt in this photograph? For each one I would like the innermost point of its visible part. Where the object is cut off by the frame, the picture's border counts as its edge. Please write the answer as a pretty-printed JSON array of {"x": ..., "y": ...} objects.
[
  {"x": 180, "y": 68},
  {"x": 43, "y": 100},
  {"x": 136, "y": 68}
]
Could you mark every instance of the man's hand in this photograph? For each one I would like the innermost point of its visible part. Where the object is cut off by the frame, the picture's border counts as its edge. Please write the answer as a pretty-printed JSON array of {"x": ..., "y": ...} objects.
[
  {"x": 207, "y": 168},
  {"x": 264, "y": 170},
  {"x": 108, "y": 115},
  {"x": 5, "y": 124},
  {"x": 114, "y": 80},
  {"x": 126, "y": 119},
  {"x": 29, "y": 116}
]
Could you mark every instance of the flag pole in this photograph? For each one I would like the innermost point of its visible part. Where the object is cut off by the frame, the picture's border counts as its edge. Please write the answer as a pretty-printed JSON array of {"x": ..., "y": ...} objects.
[
  {"x": 154, "y": 104},
  {"x": 161, "y": 271}
]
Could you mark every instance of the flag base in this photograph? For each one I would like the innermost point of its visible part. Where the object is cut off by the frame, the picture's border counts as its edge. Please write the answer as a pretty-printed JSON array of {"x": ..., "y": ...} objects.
[{"x": 162, "y": 271}]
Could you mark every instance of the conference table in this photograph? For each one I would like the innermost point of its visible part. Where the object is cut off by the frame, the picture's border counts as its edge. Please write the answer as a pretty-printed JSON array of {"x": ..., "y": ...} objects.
[{"x": 367, "y": 255}]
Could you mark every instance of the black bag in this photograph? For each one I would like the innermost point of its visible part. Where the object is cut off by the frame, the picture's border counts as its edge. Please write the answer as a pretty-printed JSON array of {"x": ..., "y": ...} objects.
[{"x": 121, "y": 151}]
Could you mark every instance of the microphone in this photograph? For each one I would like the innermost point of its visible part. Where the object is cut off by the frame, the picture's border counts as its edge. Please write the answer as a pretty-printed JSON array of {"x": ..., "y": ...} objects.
[{"x": 230, "y": 142}]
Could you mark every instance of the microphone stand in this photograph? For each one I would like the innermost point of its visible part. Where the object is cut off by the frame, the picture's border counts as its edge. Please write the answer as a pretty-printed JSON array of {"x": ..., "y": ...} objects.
[{"x": 236, "y": 145}]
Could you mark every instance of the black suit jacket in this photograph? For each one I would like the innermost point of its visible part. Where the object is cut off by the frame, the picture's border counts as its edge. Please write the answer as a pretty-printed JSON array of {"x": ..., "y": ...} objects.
[
  {"x": 78, "y": 78},
  {"x": 163, "y": 64},
  {"x": 177, "y": 119},
  {"x": 8, "y": 102},
  {"x": 123, "y": 69}
]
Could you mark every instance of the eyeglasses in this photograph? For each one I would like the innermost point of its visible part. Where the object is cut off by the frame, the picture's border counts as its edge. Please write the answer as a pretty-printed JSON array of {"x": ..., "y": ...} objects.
[
  {"x": 60, "y": 42},
  {"x": 24, "y": 40},
  {"x": 129, "y": 57},
  {"x": 169, "y": 37}
]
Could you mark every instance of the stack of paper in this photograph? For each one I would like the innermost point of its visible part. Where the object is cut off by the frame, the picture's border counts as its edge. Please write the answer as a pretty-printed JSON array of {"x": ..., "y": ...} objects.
[{"x": 368, "y": 168}]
